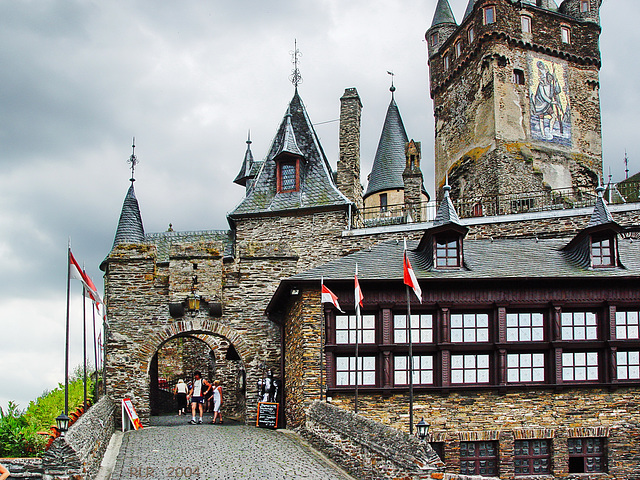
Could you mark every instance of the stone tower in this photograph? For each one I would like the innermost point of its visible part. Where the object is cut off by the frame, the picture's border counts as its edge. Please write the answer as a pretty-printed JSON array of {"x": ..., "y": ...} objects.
[{"x": 516, "y": 100}]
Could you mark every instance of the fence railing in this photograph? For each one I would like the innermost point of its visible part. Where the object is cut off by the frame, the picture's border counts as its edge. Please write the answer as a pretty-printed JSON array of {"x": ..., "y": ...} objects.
[{"x": 492, "y": 205}]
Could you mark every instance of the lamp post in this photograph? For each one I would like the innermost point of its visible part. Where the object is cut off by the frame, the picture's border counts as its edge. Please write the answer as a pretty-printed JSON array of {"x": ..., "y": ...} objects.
[
  {"x": 422, "y": 429},
  {"x": 62, "y": 422}
]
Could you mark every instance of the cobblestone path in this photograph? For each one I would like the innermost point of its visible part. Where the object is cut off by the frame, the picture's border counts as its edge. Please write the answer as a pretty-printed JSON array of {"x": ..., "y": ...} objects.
[{"x": 171, "y": 449}]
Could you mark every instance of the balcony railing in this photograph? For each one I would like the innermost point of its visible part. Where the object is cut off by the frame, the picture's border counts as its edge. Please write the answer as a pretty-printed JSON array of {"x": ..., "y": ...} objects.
[{"x": 485, "y": 206}]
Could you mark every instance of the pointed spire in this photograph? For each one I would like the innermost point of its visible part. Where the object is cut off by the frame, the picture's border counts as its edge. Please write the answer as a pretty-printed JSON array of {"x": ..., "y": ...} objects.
[
  {"x": 389, "y": 162},
  {"x": 469, "y": 9},
  {"x": 601, "y": 214},
  {"x": 443, "y": 14},
  {"x": 133, "y": 160},
  {"x": 446, "y": 211},
  {"x": 247, "y": 164},
  {"x": 130, "y": 229}
]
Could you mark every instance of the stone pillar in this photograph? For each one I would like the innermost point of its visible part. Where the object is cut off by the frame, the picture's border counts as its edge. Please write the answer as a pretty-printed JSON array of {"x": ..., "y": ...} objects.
[
  {"x": 348, "y": 178},
  {"x": 412, "y": 178}
]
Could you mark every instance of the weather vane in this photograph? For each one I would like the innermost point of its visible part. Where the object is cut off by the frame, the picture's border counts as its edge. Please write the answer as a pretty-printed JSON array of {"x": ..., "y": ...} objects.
[
  {"x": 295, "y": 76},
  {"x": 393, "y": 88},
  {"x": 133, "y": 160}
]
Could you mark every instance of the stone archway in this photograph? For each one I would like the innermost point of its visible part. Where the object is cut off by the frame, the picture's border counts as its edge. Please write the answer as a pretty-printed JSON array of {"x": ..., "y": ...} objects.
[{"x": 230, "y": 355}]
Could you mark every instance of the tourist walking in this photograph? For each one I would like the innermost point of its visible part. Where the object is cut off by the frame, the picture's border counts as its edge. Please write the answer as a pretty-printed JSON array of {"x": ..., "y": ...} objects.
[
  {"x": 217, "y": 401},
  {"x": 197, "y": 393},
  {"x": 180, "y": 391}
]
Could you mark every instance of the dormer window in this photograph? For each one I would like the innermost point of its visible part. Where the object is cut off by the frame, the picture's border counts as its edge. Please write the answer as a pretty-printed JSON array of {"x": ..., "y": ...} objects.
[
  {"x": 602, "y": 251},
  {"x": 448, "y": 251},
  {"x": 288, "y": 175}
]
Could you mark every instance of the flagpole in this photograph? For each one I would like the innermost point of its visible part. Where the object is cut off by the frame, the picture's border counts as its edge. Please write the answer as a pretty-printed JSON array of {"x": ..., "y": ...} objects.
[
  {"x": 66, "y": 345},
  {"x": 410, "y": 360},
  {"x": 357, "y": 300},
  {"x": 84, "y": 345},
  {"x": 322, "y": 322},
  {"x": 95, "y": 347}
]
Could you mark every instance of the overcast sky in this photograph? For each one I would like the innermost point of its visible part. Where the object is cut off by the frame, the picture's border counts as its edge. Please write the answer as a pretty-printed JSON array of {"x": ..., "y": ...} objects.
[{"x": 189, "y": 79}]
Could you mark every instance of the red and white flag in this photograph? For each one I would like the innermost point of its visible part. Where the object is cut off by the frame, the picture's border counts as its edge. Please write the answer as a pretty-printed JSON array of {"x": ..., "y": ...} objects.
[
  {"x": 329, "y": 297},
  {"x": 92, "y": 291},
  {"x": 358, "y": 292},
  {"x": 77, "y": 273},
  {"x": 410, "y": 276}
]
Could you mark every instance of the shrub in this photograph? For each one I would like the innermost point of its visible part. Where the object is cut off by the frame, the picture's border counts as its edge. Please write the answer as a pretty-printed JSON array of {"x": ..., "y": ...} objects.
[{"x": 18, "y": 438}]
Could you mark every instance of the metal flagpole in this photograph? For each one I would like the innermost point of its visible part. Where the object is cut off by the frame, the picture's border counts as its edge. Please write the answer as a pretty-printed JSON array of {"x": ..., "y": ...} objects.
[
  {"x": 410, "y": 359},
  {"x": 357, "y": 300},
  {"x": 84, "y": 343},
  {"x": 95, "y": 347},
  {"x": 66, "y": 345},
  {"x": 322, "y": 322}
]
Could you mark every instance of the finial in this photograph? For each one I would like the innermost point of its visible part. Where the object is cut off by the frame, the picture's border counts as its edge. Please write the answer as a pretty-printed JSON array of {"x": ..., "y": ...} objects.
[
  {"x": 600, "y": 190},
  {"x": 133, "y": 160},
  {"x": 626, "y": 165},
  {"x": 295, "y": 76},
  {"x": 446, "y": 186},
  {"x": 249, "y": 138},
  {"x": 393, "y": 88}
]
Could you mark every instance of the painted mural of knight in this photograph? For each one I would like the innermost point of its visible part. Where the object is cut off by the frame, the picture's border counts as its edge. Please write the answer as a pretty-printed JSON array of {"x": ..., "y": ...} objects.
[{"x": 550, "y": 113}]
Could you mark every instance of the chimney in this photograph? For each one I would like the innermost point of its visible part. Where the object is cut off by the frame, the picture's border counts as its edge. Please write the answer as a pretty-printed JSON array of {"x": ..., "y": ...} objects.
[
  {"x": 412, "y": 178},
  {"x": 348, "y": 176}
]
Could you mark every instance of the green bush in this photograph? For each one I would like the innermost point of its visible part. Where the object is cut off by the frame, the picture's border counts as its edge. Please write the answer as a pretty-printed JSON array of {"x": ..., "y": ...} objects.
[
  {"x": 19, "y": 430},
  {"x": 18, "y": 438}
]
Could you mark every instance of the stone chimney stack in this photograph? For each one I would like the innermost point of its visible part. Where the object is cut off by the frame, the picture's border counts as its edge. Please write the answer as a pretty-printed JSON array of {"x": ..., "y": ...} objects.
[
  {"x": 412, "y": 177},
  {"x": 348, "y": 177}
]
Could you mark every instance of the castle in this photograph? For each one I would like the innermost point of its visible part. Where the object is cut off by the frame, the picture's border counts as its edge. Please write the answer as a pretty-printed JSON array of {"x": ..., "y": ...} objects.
[{"x": 526, "y": 341}]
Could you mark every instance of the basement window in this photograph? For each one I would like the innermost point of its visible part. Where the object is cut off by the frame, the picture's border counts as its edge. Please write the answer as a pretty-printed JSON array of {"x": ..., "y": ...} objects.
[
  {"x": 586, "y": 455},
  {"x": 479, "y": 458}
]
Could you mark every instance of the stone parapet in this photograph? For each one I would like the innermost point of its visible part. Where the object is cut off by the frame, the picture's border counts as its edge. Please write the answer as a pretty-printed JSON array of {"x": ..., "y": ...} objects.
[
  {"x": 77, "y": 455},
  {"x": 369, "y": 449}
]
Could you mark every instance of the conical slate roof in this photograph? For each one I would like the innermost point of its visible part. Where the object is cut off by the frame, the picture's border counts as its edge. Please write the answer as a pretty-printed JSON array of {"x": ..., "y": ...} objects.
[
  {"x": 446, "y": 211},
  {"x": 469, "y": 9},
  {"x": 443, "y": 14},
  {"x": 601, "y": 214},
  {"x": 247, "y": 164},
  {"x": 295, "y": 136},
  {"x": 130, "y": 229},
  {"x": 390, "y": 160}
]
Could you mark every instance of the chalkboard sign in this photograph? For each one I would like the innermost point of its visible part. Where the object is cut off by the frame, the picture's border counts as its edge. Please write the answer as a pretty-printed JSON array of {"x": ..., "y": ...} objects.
[{"x": 267, "y": 415}]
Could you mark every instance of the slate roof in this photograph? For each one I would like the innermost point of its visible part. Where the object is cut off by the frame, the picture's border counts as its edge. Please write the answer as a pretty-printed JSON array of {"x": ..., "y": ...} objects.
[
  {"x": 296, "y": 136},
  {"x": 443, "y": 14},
  {"x": 512, "y": 258},
  {"x": 130, "y": 229},
  {"x": 247, "y": 164},
  {"x": 446, "y": 213},
  {"x": 390, "y": 160},
  {"x": 601, "y": 214}
]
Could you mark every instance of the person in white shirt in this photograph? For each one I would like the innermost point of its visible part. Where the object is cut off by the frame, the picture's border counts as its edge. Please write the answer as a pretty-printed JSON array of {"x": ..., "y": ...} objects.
[{"x": 197, "y": 393}]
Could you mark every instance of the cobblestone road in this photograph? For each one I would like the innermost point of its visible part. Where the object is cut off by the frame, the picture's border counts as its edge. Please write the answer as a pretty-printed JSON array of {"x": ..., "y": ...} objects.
[{"x": 172, "y": 449}]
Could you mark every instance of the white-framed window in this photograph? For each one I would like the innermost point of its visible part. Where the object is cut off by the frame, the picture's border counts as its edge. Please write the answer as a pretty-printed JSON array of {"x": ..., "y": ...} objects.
[
  {"x": 346, "y": 329},
  {"x": 565, "y": 33},
  {"x": 525, "y": 23},
  {"x": 525, "y": 367},
  {"x": 421, "y": 328},
  {"x": 469, "y": 327},
  {"x": 471, "y": 34},
  {"x": 579, "y": 366},
  {"x": 470, "y": 368},
  {"x": 579, "y": 326},
  {"x": 628, "y": 364},
  {"x": 584, "y": 6},
  {"x": 446, "y": 61},
  {"x": 346, "y": 371},
  {"x": 489, "y": 15},
  {"x": 422, "y": 369},
  {"x": 627, "y": 325},
  {"x": 458, "y": 48},
  {"x": 525, "y": 327}
]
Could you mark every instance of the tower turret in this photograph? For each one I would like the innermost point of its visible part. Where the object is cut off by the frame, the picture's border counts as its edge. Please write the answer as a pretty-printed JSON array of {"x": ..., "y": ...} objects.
[
  {"x": 442, "y": 26},
  {"x": 516, "y": 101}
]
